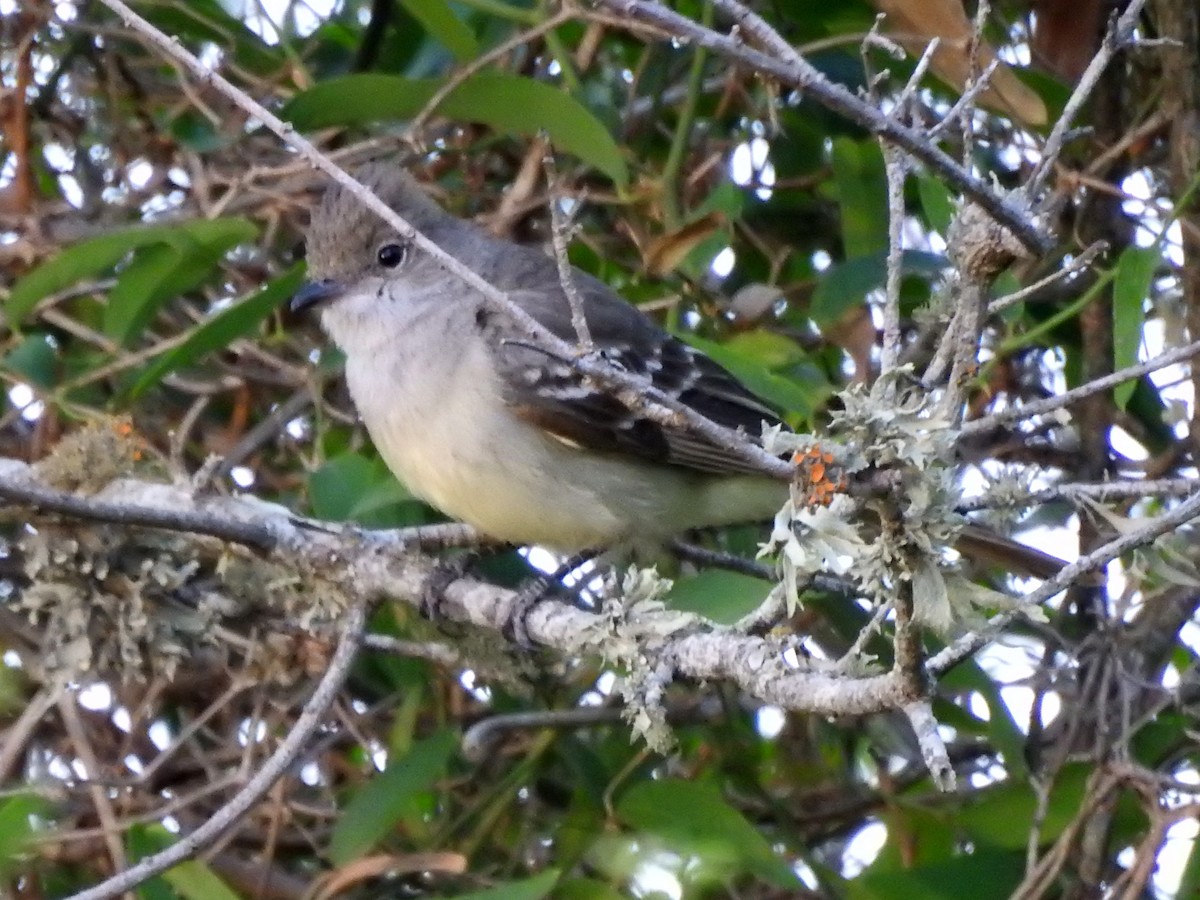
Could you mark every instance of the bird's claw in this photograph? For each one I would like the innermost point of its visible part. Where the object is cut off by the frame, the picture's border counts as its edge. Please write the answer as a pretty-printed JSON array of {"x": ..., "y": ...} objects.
[{"x": 445, "y": 573}]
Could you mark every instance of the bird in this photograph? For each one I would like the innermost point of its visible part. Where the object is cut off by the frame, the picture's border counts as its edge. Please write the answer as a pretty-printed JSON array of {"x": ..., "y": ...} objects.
[{"x": 504, "y": 435}]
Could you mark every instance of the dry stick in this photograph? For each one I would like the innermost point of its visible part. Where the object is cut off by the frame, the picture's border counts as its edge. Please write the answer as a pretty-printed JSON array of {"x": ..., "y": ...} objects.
[
  {"x": 18, "y": 487},
  {"x": 1082, "y": 261},
  {"x": 967, "y": 122},
  {"x": 788, "y": 67},
  {"x": 1041, "y": 407},
  {"x": 18, "y": 733},
  {"x": 19, "y": 490},
  {"x": 431, "y": 651},
  {"x": 966, "y": 100},
  {"x": 105, "y": 814},
  {"x": 896, "y": 167},
  {"x": 1102, "y": 555},
  {"x": 1114, "y": 38},
  {"x": 929, "y": 739},
  {"x": 560, "y": 227},
  {"x": 256, "y": 788},
  {"x": 897, "y": 170},
  {"x": 963, "y": 338},
  {"x": 636, "y": 393},
  {"x": 1099, "y": 490}
]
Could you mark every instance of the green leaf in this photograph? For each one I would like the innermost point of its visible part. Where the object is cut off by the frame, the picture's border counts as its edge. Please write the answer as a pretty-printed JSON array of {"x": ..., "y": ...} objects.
[
  {"x": 1135, "y": 272},
  {"x": 508, "y": 103},
  {"x": 387, "y": 798},
  {"x": 353, "y": 487},
  {"x": 694, "y": 818},
  {"x": 192, "y": 879},
  {"x": 158, "y": 272},
  {"x": 35, "y": 360},
  {"x": 16, "y": 827},
  {"x": 844, "y": 285},
  {"x": 205, "y": 21},
  {"x": 862, "y": 196},
  {"x": 991, "y": 873},
  {"x": 534, "y": 888},
  {"x": 437, "y": 18},
  {"x": 223, "y": 328},
  {"x": 196, "y": 881},
  {"x": 586, "y": 889},
  {"x": 752, "y": 355},
  {"x": 721, "y": 596},
  {"x": 936, "y": 201},
  {"x": 100, "y": 254}
]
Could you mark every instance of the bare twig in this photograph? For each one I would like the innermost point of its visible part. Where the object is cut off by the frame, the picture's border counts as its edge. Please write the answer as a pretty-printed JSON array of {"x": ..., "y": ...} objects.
[
  {"x": 897, "y": 170},
  {"x": 1100, "y": 491},
  {"x": 105, "y": 814},
  {"x": 1114, "y": 39},
  {"x": 966, "y": 101},
  {"x": 17, "y": 486},
  {"x": 786, "y": 65},
  {"x": 933, "y": 748},
  {"x": 1101, "y": 556},
  {"x": 269, "y": 772},
  {"x": 963, "y": 338},
  {"x": 1080, "y": 262},
  {"x": 1049, "y": 404},
  {"x": 560, "y": 236},
  {"x": 481, "y": 62}
]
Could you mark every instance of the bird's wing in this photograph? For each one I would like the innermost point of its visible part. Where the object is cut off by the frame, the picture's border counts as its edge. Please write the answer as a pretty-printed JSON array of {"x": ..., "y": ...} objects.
[{"x": 548, "y": 393}]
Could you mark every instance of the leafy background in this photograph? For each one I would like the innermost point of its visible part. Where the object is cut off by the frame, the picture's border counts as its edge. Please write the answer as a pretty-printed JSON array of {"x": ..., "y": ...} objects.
[{"x": 150, "y": 236}]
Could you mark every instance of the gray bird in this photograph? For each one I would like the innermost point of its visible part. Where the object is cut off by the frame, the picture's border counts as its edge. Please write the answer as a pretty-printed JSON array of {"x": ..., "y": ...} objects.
[
  {"x": 500, "y": 434},
  {"x": 507, "y": 437}
]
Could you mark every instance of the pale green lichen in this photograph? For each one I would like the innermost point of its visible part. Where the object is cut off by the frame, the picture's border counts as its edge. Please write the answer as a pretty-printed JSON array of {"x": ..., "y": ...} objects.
[
  {"x": 632, "y": 621},
  {"x": 900, "y": 536},
  {"x": 132, "y": 604}
]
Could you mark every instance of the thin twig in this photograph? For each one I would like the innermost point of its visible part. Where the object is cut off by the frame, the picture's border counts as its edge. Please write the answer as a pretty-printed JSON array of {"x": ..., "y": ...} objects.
[
  {"x": 933, "y": 748},
  {"x": 1101, "y": 491},
  {"x": 431, "y": 651},
  {"x": 481, "y": 62},
  {"x": 1114, "y": 39},
  {"x": 896, "y": 170},
  {"x": 1101, "y": 556},
  {"x": 17, "y": 487},
  {"x": 963, "y": 337},
  {"x": 1082, "y": 261},
  {"x": 966, "y": 100},
  {"x": 967, "y": 121},
  {"x": 1049, "y": 404},
  {"x": 105, "y": 814},
  {"x": 790, "y": 68},
  {"x": 272, "y": 770},
  {"x": 560, "y": 237}
]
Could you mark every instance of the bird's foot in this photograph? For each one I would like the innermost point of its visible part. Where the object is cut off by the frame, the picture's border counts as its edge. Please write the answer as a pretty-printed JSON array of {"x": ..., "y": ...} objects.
[
  {"x": 445, "y": 573},
  {"x": 528, "y": 597},
  {"x": 538, "y": 589}
]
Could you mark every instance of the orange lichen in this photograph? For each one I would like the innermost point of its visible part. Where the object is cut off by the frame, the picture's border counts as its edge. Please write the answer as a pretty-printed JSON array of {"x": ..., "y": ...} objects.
[{"x": 818, "y": 479}]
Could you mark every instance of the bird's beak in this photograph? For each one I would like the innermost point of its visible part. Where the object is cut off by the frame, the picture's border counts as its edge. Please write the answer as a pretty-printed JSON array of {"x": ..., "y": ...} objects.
[{"x": 314, "y": 292}]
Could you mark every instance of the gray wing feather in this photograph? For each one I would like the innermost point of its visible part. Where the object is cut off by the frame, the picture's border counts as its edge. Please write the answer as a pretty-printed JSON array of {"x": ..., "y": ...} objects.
[{"x": 548, "y": 393}]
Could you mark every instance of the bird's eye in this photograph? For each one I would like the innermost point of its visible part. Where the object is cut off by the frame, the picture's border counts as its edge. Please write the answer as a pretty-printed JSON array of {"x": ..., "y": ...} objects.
[{"x": 391, "y": 255}]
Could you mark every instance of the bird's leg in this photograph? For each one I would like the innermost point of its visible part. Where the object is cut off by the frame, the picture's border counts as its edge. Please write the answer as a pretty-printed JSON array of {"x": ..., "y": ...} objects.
[
  {"x": 537, "y": 589},
  {"x": 447, "y": 571}
]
